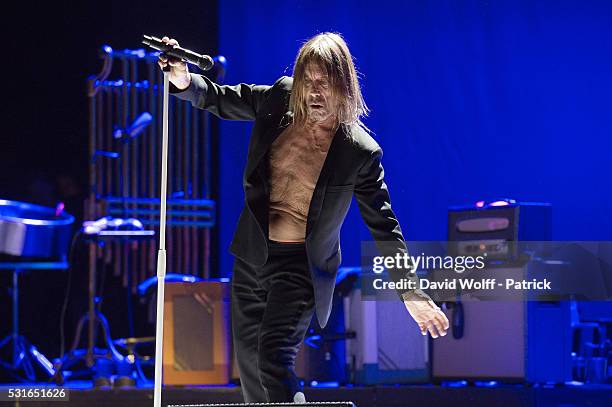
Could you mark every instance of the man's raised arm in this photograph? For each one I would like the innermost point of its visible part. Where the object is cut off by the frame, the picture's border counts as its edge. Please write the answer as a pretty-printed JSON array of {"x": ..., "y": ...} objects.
[{"x": 238, "y": 102}]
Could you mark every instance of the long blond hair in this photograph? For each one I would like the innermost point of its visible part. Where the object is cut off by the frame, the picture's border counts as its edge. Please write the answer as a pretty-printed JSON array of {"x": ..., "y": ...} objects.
[{"x": 330, "y": 52}]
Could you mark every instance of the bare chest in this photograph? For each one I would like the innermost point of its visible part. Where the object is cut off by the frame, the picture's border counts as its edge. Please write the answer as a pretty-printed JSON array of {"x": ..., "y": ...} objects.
[
  {"x": 298, "y": 156},
  {"x": 296, "y": 160}
]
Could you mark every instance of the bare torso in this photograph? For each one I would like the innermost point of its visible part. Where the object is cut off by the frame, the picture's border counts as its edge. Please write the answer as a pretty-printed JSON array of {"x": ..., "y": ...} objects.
[{"x": 296, "y": 159}]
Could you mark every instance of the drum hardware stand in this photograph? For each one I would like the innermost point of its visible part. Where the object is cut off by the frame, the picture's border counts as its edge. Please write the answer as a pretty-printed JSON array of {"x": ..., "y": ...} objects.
[
  {"x": 130, "y": 345},
  {"x": 24, "y": 353},
  {"x": 92, "y": 317},
  {"x": 94, "y": 314}
]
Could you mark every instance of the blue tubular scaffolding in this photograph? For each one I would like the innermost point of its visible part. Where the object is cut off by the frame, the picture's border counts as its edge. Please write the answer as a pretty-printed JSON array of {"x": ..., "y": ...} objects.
[{"x": 124, "y": 166}]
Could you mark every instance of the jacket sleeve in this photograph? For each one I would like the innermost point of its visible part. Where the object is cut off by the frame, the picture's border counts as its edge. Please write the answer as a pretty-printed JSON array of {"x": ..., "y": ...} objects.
[
  {"x": 374, "y": 203},
  {"x": 237, "y": 102}
]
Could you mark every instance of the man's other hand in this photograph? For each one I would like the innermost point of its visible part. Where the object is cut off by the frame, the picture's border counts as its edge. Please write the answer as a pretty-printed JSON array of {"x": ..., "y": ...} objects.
[{"x": 426, "y": 313}]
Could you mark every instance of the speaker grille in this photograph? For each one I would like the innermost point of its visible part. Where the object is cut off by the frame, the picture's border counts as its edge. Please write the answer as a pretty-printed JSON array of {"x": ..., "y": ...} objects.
[{"x": 193, "y": 334}]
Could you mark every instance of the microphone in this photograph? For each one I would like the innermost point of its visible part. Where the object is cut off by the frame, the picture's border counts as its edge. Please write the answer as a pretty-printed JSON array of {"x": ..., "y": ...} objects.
[{"x": 204, "y": 62}]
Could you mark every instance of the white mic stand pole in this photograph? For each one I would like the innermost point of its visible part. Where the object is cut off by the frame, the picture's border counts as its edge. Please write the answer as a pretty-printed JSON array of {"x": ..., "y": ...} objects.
[{"x": 161, "y": 254}]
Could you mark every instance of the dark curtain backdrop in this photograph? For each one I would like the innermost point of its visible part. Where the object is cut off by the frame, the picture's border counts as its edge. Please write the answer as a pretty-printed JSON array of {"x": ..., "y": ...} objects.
[
  {"x": 50, "y": 48},
  {"x": 470, "y": 100}
]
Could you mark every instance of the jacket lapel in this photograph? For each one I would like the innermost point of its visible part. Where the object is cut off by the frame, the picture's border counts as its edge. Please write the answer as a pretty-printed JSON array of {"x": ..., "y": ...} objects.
[
  {"x": 318, "y": 194},
  {"x": 256, "y": 188},
  {"x": 266, "y": 141}
]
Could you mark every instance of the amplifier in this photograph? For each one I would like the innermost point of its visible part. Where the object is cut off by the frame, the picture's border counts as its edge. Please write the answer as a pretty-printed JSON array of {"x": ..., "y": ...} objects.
[
  {"x": 474, "y": 230},
  {"x": 388, "y": 347},
  {"x": 513, "y": 339},
  {"x": 196, "y": 333}
]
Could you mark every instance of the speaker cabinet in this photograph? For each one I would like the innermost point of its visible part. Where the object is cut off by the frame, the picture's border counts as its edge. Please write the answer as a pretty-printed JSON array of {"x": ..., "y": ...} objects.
[
  {"x": 388, "y": 345},
  {"x": 512, "y": 341},
  {"x": 196, "y": 333}
]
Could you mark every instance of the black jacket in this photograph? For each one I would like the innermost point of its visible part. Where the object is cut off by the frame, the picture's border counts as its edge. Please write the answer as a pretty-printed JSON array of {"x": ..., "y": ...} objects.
[{"x": 352, "y": 167}]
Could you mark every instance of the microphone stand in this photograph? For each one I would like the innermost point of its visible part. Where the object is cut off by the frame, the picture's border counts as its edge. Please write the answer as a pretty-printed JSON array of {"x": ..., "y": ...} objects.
[
  {"x": 161, "y": 254},
  {"x": 205, "y": 63}
]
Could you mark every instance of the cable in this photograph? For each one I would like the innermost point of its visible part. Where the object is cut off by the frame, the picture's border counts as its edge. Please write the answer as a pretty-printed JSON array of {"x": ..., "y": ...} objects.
[
  {"x": 67, "y": 294},
  {"x": 99, "y": 296}
]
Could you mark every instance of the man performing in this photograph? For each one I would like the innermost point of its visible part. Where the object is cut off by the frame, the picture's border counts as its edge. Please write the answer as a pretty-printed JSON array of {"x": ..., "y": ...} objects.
[{"x": 309, "y": 153}]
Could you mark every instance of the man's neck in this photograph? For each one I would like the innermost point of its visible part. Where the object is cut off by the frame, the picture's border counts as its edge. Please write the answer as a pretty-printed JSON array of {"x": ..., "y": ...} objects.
[{"x": 326, "y": 126}]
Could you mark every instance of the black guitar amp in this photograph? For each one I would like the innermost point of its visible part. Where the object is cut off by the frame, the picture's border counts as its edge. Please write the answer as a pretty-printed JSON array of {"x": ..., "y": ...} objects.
[{"x": 497, "y": 228}]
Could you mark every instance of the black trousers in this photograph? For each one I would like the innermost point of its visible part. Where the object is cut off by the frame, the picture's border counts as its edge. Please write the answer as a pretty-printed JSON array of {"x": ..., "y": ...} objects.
[{"x": 272, "y": 307}]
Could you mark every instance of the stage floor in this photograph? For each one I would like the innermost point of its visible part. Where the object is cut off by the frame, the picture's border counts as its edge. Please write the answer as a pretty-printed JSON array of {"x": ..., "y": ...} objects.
[{"x": 82, "y": 395}]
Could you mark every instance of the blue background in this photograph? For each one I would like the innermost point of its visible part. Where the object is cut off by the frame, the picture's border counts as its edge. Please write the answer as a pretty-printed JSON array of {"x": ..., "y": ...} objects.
[{"x": 470, "y": 100}]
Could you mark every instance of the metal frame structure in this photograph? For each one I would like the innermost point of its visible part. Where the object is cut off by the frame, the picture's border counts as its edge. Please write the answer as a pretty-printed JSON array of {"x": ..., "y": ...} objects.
[{"x": 125, "y": 173}]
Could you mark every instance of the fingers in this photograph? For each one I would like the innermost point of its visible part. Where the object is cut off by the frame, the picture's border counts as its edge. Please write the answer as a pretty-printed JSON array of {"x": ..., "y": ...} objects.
[
  {"x": 429, "y": 317},
  {"x": 162, "y": 61},
  {"x": 428, "y": 327},
  {"x": 170, "y": 61},
  {"x": 423, "y": 328},
  {"x": 170, "y": 41},
  {"x": 439, "y": 324},
  {"x": 175, "y": 62},
  {"x": 432, "y": 330},
  {"x": 165, "y": 61},
  {"x": 436, "y": 326}
]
